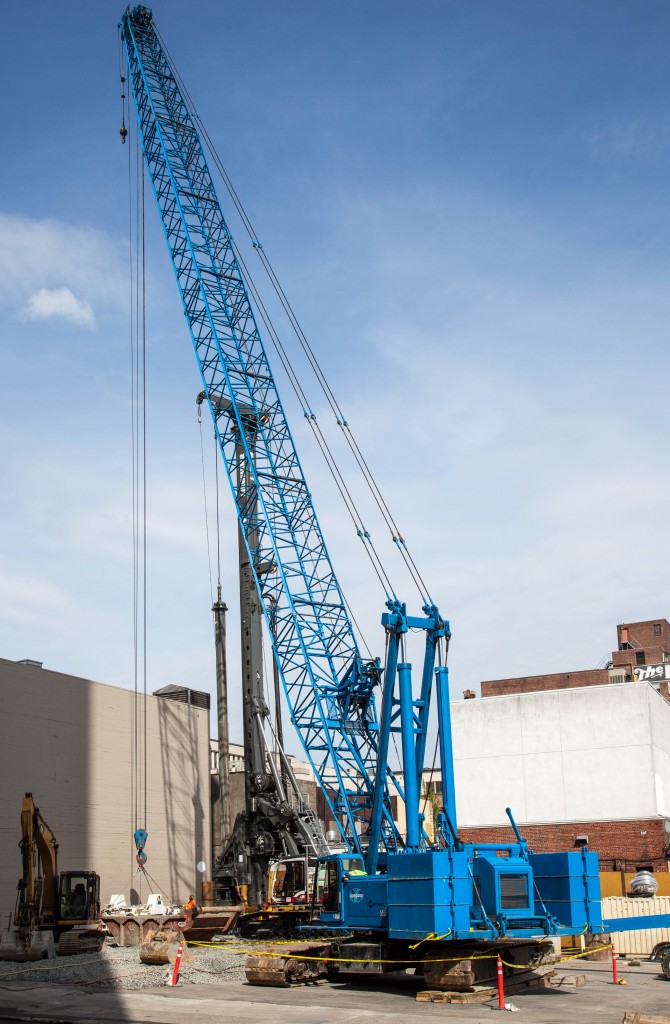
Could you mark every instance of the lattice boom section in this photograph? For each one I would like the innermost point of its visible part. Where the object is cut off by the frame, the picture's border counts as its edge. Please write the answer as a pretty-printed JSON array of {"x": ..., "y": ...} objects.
[{"x": 313, "y": 635}]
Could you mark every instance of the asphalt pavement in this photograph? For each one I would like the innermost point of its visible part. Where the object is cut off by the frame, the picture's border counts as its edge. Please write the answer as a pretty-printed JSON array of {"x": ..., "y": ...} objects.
[{"x": 369, "y": 1001}]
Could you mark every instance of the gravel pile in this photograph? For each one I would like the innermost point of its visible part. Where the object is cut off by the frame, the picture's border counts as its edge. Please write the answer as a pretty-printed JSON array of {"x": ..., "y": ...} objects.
[{"x": 119, "y": 967}]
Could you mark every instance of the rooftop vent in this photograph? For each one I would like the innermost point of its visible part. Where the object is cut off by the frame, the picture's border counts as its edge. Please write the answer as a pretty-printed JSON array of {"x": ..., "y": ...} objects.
[
  {"x": 643, "y": 884},
  {"x": 182, "y": 694},
  {"x": 29, "y": 661}
]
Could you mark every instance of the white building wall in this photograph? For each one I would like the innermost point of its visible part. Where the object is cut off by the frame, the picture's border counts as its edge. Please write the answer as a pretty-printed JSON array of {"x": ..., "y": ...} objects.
[
  {"x": 69, "y": 742},
  {"x": 589, "y": 754},
  {"x": 660, "y": 734}
]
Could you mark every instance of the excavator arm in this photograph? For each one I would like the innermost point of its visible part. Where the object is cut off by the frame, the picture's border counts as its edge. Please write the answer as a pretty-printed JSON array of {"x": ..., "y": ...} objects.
[{"x": 38, "y": 886}]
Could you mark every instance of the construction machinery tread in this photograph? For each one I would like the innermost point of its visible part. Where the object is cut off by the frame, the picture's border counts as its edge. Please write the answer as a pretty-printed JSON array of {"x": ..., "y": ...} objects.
[
  {"x": 267, "y": 967},
  {"x": 445, "y": 966},
  {"x": 71, "y": 943},
  {"x": 461, "y": 966}
]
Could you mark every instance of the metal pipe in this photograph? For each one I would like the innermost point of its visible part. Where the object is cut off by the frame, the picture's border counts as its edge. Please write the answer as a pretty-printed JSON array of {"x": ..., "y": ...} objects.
[
  {"x": 382, "y": 755},
  {"x": 277, "y": 689},
  {"x": 220, "y": 609},
  {"x": 508, "y": 812},
  {"x": 446, "y": 743},
  {"x": 409, "y": 755},
  {"x": 287, "y": 770}
]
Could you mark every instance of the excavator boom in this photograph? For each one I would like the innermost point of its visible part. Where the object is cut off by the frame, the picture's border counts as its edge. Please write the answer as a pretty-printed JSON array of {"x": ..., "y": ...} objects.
[{"x": 50, "y": 906}]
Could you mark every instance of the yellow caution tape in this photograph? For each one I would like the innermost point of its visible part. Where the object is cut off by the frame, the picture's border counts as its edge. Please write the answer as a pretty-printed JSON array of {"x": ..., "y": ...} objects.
[
  {"x": 247, "y": 950},
  {"x": 431, "y": 938},
  {"x": 380, "y": 960}
]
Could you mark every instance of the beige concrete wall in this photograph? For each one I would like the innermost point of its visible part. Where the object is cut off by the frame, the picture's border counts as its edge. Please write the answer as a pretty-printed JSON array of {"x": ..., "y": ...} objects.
[{"x": 70, "y": 742}]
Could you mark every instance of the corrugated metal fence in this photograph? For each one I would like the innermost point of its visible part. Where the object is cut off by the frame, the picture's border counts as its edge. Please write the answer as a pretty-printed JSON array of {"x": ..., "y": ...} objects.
[{"x": 637, "y": 943}]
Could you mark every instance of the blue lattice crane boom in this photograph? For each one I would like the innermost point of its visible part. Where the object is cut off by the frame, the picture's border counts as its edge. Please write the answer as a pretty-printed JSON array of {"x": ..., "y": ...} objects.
[
  {"x": 397, "y": 889},
  {"x": 329, "y": 687}
]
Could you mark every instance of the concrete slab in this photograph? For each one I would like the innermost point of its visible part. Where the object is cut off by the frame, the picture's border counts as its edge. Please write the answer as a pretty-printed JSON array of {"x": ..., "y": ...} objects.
[{"x": 364, "y": 1002}]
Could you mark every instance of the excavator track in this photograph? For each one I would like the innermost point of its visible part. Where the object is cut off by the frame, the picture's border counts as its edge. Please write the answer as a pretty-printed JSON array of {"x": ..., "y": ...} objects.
[
  {"x": 447, "y": 966},
  {"x": 268, "y": 967},
  {"x": 462, "y": 966},
  {"x": 73, "y": 942}
]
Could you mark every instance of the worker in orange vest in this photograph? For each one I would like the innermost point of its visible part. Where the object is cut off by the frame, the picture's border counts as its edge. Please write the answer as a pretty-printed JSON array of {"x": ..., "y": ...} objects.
[{"x": 191, "y": 903}]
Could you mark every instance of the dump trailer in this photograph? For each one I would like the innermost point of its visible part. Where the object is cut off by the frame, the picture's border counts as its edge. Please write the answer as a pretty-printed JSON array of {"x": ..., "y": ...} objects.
[{"x": 55, "y": 912}]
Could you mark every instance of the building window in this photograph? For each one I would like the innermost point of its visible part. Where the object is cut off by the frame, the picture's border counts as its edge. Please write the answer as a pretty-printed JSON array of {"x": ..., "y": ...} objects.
[
  {"x": 657, "y": 629},
  {"x": 639, "y": 658}
]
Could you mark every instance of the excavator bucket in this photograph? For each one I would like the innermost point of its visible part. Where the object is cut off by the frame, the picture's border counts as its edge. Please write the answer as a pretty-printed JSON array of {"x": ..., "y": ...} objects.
[
  {"x": 38, "y": 945},
  {"x": 156, "y": 947}
]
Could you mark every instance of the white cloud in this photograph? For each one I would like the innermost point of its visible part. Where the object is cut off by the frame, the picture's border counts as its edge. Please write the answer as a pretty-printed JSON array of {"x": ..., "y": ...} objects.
[
  {"x": 43, "y": 254},
  {"x": 58, "y": 302},
  {"x": 28, "y": 599}
]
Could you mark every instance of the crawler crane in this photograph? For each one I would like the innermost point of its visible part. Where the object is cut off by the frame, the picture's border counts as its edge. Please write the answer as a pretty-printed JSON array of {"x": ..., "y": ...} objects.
[{"x": 391, "y": 891}]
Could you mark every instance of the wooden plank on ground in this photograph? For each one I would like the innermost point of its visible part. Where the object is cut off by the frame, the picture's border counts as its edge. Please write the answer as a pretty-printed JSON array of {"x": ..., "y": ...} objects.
[
  {"x": 567, "y": 980},
  {"x": 644, "y": 1018},
  {"x": 481, "y": 994}
]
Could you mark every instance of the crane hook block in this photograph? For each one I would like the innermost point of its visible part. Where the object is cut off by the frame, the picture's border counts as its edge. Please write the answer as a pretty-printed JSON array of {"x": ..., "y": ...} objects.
[{"x": 141, "y": 836}]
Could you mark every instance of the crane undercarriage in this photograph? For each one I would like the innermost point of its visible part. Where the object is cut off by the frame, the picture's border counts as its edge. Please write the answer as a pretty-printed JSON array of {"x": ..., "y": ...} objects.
[{"x": 443, "y": 966}]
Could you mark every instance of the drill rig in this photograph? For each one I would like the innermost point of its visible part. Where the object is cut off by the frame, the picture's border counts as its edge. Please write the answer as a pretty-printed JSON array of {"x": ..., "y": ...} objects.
[{"x": 277, "y": 835}]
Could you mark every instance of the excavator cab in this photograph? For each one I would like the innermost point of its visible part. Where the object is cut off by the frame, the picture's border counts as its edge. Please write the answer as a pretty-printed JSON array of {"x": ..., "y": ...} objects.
[{"x": 78, "y": 896}]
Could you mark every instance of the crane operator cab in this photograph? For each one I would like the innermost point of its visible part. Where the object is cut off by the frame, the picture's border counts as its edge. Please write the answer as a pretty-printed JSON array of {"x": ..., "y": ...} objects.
[
  {"x": 78, "y": 895},
  {"x": 346, "y": 896}
]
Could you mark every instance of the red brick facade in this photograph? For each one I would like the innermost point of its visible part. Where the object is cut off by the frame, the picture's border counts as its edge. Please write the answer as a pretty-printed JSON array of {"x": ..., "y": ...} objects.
[
  {"x": 555, "y": 681},
  {"x": 621, "y": 845},
  {"x": 638, "y": 643},
  {"x": 642, "y": 643}
]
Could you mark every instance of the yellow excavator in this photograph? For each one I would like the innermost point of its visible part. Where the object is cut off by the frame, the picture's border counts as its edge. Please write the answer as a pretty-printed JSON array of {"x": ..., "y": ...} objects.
[{"x": 53, "y": 911}]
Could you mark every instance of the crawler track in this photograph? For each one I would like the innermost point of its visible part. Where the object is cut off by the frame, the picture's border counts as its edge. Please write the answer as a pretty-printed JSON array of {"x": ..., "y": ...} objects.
[
  {"x": 72, "y": 942},
  {"x": 445, "y": 966}
]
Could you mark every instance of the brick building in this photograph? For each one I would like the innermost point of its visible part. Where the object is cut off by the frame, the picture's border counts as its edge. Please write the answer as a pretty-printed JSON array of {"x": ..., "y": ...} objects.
[
  {"x": 642, "y": 654},
  {"x": 592, "y": 765}
]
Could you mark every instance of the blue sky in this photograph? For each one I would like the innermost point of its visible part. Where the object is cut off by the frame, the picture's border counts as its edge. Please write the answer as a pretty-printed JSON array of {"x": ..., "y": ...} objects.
[{"x": 468, "y": 207}]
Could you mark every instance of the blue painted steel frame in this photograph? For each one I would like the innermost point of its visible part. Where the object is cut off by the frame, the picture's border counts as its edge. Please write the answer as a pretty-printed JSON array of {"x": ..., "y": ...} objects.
[
  {"x": 413, "y": 716},
  {"x": 328, "y": 687}
]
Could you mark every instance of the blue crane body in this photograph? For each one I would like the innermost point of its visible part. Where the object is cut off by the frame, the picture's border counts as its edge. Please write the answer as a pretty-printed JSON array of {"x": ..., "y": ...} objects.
[{"x": 401, "y": 887}]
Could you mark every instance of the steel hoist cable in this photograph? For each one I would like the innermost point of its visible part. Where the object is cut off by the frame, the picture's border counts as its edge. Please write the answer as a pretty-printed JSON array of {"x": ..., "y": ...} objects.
[
  {"x": 329, "y": 687},
  {"x": 314, "y": 363},
  {"x": 138, "y": 428}
]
